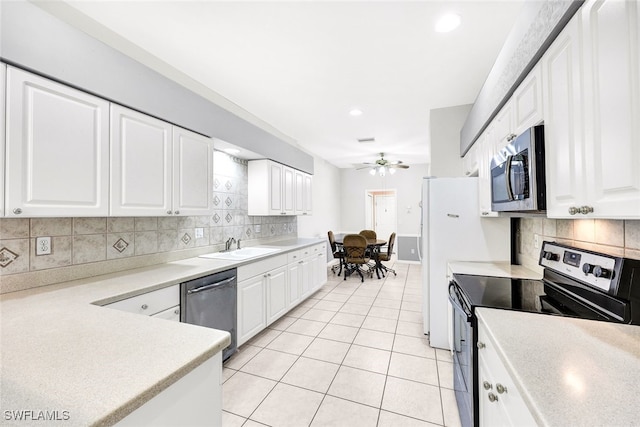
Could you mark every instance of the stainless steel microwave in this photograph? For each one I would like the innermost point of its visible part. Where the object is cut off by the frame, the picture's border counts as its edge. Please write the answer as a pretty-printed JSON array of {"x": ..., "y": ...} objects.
[{"x": 518, "y": 176}]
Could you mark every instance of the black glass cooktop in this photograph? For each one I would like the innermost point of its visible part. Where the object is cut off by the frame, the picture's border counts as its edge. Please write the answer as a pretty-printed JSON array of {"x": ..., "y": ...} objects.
[{"x": 502, "y": 292}]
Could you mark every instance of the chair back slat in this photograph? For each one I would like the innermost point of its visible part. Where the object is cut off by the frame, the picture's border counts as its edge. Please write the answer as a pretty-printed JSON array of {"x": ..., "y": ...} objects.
[{"x": 355, "y": 247}]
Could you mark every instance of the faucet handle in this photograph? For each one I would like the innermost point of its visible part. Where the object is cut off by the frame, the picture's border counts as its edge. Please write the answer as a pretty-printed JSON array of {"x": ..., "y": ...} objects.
[{"x": 238, "y": 243}]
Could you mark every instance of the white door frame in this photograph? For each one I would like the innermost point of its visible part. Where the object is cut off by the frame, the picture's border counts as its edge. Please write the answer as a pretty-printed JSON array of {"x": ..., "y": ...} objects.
[{"x": 370, "y": 205}]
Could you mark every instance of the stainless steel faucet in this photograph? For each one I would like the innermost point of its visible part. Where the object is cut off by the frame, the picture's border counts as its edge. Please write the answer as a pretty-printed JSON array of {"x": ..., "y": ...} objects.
[
  {"x": 228, "y": 243},
  {"x": 238, "y": 247}
]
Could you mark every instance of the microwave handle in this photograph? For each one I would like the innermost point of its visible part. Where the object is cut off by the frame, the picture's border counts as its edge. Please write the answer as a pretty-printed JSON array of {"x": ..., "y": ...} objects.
[{"x": 507, "y": 178}]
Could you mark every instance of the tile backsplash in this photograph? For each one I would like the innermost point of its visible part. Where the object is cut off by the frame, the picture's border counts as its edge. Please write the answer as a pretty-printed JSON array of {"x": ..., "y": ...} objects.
[
  {"x": 83, "y": 247},
  {"x": 609, "y": 236}
]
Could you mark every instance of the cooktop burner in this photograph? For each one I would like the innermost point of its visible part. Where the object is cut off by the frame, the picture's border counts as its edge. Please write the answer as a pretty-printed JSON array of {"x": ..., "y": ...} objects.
[{"x": 501, "y": 292}]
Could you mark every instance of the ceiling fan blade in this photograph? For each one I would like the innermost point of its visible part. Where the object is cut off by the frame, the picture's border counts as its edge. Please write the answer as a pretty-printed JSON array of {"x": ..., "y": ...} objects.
[
  {"x": 364, "y": 167},
  {"x": 398, "y": 166}
]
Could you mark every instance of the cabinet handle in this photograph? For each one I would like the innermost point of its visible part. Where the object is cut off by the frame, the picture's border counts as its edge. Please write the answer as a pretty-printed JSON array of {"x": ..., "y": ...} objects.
[
  {"x": 573, "y": 210},
  {"x": 177, "y": 311},
  {"x": 177, "y": 212},
  {"x": 487, "y": 385},
  {"x": 144, "y": 306},
  {"x": 500, "y": 388},
  {"x": 485, "y": 213},
  {"x": 300, "y": 262},
  {"x": 17, "y": 211},
  {"x": 169, "y": 212},
  {"x": 493, "y": 397},
  {"x": 511, "y": 137},
  {"x": 481, "y": 344},
  {"x": 269, "y": 275},
  {"x": 586, "y": 210}
]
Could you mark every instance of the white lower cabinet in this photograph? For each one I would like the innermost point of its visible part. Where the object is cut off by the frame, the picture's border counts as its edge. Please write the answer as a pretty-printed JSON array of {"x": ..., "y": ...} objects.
[
  {"x": 193, "y": 400},
  {"x": 252, "y": 316},
  {"x": 277, "y": 294},
  {"x": 500, "y": 402},
  {"x": 172, "y": 314},
  {"x": 151, "y": 303}
]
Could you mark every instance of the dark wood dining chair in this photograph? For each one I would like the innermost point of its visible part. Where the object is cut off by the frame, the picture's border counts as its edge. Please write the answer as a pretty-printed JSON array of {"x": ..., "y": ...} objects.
[
  {"x": 369, "y": 234},
  {"x": 338, "y": 252},
  {"x": 386, "y": 256},
  {"x": 355, "y": 255}
]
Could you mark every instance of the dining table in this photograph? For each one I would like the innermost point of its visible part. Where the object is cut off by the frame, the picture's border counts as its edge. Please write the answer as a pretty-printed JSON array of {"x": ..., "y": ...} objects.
[{"x": 374, "y": 245}]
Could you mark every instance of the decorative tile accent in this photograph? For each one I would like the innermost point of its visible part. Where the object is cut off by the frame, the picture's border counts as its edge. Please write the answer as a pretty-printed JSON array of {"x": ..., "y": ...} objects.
[
  {"x": 216, "y": 183},
  {"x": 120, "y": 245},
  {"x": 228, "y": 185},
  {"x": 273, "y": 229},
  {"x": 216, "y": 218},
  {"x": 6, "y": 257},
  {"x": 228, "y": 201},
  {"x": 216, "y": 200},
  {"x": 186, "y": 238},
  {"x": 228, "y": 217},
  {"x": 248, "y": 232}
]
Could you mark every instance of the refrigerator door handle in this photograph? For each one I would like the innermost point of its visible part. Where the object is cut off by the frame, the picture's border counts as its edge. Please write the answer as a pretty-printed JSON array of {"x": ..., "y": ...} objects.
[{"x": 453, "y": 215}]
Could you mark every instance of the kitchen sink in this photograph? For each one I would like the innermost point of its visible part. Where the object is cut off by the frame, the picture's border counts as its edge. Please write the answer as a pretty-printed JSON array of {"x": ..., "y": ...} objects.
[{"x": 241, "y": 254}]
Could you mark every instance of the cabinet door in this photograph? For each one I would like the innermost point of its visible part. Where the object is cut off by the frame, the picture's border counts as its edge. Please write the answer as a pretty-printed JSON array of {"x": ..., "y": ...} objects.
[
  {"x": 502, "y": 125},
  {"x": 527, "y": 102},
  {"x": 141, "y": 160},
  {"x": 308, "y": 194},
  {"x": 277, "y": 298},
  {"x": 57, "y": 149},
  {"x": 251, "y": 308},
  {"x": 192, "y": 173},
  {"x": 288, "y": 191},
  {"x": 276, "y": 199},
  {"x": 295, "y": 278},
  {"x": 306, "y": 279},
  {"x": 485, "y": 154},
  {"x": 562, "y": 71},
  {"x": 299, "y": 192},
  {"x": 612, "y": 107},
  {"x": 3, "y": 75},
  {"x": 320, "y": 268}
]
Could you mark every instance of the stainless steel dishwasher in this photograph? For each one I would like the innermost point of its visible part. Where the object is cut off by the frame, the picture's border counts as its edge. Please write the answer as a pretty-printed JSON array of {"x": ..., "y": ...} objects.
[{"x": 210, "y": 301}]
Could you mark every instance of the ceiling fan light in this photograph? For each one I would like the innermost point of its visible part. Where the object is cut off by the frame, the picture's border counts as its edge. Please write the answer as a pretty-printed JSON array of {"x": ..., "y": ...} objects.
[
  {"x": 392, "y": 171},
  {"x": 372, "y": 172},
  {"x": 382, "y": 171}
]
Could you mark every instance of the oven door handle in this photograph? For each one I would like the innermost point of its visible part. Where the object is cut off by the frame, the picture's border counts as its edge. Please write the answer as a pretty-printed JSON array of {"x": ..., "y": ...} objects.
[
  {"x": 507, "y": 177},
  {"x": 455, "y": 301}
]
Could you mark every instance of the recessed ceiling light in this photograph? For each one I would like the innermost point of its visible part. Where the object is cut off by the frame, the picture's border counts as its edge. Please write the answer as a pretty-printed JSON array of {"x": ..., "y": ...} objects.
[
  {"x": 355, "y": 112},
  {"x": 232, "y": 151},
  {"x": 448, "y": 22}
]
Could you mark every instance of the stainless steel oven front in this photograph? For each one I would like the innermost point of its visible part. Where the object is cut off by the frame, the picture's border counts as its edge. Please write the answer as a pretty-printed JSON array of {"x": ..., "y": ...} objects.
[{"x": 463, "y": 353}]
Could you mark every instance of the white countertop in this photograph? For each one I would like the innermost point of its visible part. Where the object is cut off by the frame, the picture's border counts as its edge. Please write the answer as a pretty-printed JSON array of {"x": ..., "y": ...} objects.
[
  {"x": 60, "y": 350},
  {"x": 570, "y": 371},
  {"x": 493, "y": 269}
]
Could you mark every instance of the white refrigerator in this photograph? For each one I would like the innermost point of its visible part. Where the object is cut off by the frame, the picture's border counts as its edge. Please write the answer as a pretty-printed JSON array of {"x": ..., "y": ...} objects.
[{"x": 453, "y": 230}]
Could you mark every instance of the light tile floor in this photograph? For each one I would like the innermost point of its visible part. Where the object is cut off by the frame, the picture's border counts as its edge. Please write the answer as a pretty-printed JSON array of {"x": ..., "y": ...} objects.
[{"x": 353, "y": 354}]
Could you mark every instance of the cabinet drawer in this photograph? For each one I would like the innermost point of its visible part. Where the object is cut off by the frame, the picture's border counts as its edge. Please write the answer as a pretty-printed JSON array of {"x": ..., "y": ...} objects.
[
  {"x": 262, "y": 266},
  {"x": 172, "y": 313},
  {"x": 151, "y": 302}
]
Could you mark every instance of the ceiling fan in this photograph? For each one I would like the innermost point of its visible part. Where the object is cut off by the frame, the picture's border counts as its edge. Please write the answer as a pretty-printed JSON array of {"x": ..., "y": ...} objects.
[{"x": 382, "y": 166}]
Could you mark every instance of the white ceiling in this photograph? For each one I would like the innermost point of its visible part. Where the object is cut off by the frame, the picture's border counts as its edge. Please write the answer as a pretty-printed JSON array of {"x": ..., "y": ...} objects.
[{"x": 301, "y": 66}]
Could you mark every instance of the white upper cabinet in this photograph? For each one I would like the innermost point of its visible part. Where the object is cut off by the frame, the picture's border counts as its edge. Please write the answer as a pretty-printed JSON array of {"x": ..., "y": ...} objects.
[
  {"x": 612, "y": 107},
  {"x": 3, "y": 75},
  {"x": 563, "y": 127},
  {"x": 192, "y": 173},
  {"x": 592, "y": 105},
  {"x": 527, "y": 107},
  {"x": 276, "y": 189},
  {"x": 141, "y": 164},
  {"x": 57, "y": 149},
  {"x": 308, "y": 194},
  {"x": 485, "y": 152},
  {"x": 158, "y": 169}
]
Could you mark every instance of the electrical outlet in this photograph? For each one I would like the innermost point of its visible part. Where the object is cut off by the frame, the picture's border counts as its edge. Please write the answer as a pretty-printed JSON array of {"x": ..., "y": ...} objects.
[
  {"x": 258, "y": 228},
  {"x": 536, "y": 241},
  {"x": 413, "y": 251},
  {"x": 199, "y": 233},
  {"x": 43, "y": 245}
]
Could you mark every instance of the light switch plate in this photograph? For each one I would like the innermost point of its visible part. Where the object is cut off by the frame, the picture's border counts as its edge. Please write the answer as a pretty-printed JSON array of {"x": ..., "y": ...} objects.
[{"x": 43, "y": 245}]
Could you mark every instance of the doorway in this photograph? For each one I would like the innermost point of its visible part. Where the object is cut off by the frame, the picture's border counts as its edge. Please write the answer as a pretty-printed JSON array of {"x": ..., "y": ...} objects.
[{"x": 381, "y": 212}]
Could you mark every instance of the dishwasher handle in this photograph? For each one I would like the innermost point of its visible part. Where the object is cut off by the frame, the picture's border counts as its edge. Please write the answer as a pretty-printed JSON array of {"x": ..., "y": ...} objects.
[{"x": 211, "y": 286}]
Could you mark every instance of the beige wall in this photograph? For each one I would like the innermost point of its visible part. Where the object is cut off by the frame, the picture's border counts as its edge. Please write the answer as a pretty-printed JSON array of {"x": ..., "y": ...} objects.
[{"x": 609, "y": 236}]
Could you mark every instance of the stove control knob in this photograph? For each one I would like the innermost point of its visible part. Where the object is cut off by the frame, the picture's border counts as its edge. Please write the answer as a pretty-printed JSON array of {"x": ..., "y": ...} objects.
[
  {"x": 587, "y": 268},
  {"x": 550, "y": 256},
  {"x": 601, "y": 272}
]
